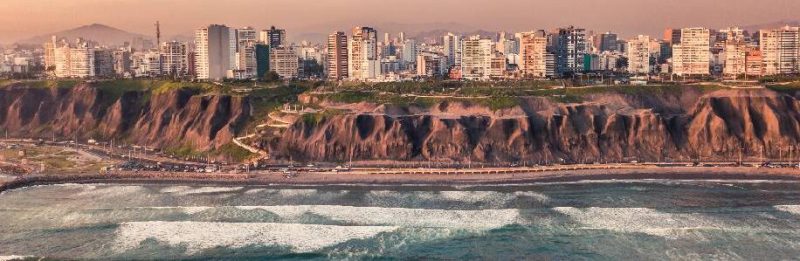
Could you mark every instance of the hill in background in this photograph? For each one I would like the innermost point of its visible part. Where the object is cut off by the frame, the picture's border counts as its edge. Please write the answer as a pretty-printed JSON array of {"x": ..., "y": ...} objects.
[{"x": 96, "y": 32}]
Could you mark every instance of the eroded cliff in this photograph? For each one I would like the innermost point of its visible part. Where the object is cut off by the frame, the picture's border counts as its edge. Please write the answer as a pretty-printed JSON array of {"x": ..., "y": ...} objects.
[
  {"x": 175, "y": 118},
  {"x": 608, "y": 127}
]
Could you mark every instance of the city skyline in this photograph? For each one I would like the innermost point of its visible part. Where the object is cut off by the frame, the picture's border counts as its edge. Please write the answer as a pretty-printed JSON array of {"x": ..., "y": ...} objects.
[{"x": 314, "y": 21}]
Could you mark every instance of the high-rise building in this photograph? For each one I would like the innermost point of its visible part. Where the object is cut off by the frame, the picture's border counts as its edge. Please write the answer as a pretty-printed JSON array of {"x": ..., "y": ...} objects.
[
  {"x": 174, "y": 57},
  {"x": 672, "y": 36},
  {"x": 431, "y": 64},
  {"x": 50, "y": 53},
  {"x": 498, "y": 65},
  {"x": 61, "y": 58},
  {"x": 609, "y": 61},
  {"x": 754, "y": 62},
  {"x": 74, "y": 61},
  {"x": 730, "y": 34},
  {"x": 82, "y": 61},
  {"x": 570, "y": 49},
  {"x": 693, "y": 55},
  {"x": 363, "y": 62},
  {"x": 122, "y": 63},
  {"x": 452, "y": 49},
  {"x": 639, "y": 55},
  {"x": 246, "y": 62},
  {"x": 284, "y": 61},
  {"x": 274, "y": 37},
  {"x": 500, "y": 46},
  {"x": 735, "y": 52},
  {"x": 262, "y": 60},
  {"x": 103, "y": 63},
  {"x": 608, "y": 42},
  {"x": 145, "y": 64},
  {"x": 215, "y": 52},
  {"x": 780, "y": 49},
  {"x": 410, "y": 54},
  {"x": 245, "y": 65},
  {"x": 246, "y": 35},
  {"x": 533, "y": 54},
  {"x": 336, "y": 63},
  {"x": 476, "y": 58},
  {"x": 390, "y": 65}
]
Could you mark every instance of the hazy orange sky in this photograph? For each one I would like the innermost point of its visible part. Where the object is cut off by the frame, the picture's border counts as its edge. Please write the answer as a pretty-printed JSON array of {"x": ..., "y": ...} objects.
[{"x": 24, "y": 18}]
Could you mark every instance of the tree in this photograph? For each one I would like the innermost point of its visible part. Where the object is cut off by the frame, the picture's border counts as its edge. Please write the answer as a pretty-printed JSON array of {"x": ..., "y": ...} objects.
[{"x": 271, "y": 76}]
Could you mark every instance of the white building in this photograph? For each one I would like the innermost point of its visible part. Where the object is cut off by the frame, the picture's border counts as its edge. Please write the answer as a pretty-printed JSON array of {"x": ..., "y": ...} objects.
[
  {"x": 363, "y": 54},
  {"x": 146, "y": 64},
  {"x": 175, "y": 58},
  {"x": 215, "y": 52},
  {"x": 780, "y": 49},
  {"x": 77, "y": 61},
  {"x": 639, "y": 55},
  {"x": 452, "y": 49},
  {"x": 247, "y": 34},
  {"x": 476, "y": 58},
  {"x": 409, "y": 53},
  {"x": 693, "y": 55},
  {"x": 533, "y": 54},
  {"x": 284, "y": 61},
  {"x": 735, "y": 54}
]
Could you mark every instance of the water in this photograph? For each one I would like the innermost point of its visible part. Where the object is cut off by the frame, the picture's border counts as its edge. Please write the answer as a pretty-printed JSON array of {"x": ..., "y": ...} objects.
[{"x": 610, "y": 220}]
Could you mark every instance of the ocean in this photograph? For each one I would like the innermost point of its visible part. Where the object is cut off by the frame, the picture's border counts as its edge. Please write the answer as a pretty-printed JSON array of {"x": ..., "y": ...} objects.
[{"x": 588, "y": 220}]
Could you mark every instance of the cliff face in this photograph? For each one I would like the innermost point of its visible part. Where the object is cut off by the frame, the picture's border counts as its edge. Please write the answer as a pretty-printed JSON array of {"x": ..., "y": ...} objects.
[
  {"x": 607, "y": 127},
  {"x": 171, "y": 119},
  {"x": 610, "y": 128}
]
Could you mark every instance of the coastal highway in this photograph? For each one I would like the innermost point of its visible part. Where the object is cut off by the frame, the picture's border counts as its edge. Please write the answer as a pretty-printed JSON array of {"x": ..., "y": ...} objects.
[{"x": 118, "y": 156}]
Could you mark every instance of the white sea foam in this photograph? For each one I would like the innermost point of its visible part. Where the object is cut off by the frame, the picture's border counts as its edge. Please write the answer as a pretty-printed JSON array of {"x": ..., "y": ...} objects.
[
  {"x": 186, "y": 210},
  {"x": 794, "y": 209},
  {"x": 297, "y": 192},
  {"x": 255, "y": 191},
  {"x": 640, "y": 220},
  {"x": 109, "y": 191},
  {"x": 197, "y": 236},
  {"x": 404, "y": 217},
  {"x": 184, "y": 190},
  {"x": 492, "y": 198}
]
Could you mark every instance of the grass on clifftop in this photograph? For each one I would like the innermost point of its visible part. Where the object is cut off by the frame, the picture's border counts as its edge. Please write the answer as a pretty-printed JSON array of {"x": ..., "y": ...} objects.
[
  {"x": 232, "y": 153},
  {"x": 43, "y": 84},
  {"x": 498, "y": 98},
  {"x": 155, "y": 86},
  {"x": 790, "y": 88},
  {"x": 266, "y": 100},
  {"x": 229, "y": 152}
]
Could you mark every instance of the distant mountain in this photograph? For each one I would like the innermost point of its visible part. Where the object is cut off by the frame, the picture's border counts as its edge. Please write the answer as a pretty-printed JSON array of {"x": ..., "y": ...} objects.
[
  {"x": 771, "y": 25},
  {"x": 422, "y": 31},
  {"x": 436, "y": 35},
  {"x": 102, "y": 34}
]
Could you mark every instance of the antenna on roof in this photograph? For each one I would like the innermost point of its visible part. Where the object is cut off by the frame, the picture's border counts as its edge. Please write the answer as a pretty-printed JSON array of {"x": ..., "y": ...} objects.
[
  {"x": 158, "y": 48},
  {"x": 158, "y": 33}
]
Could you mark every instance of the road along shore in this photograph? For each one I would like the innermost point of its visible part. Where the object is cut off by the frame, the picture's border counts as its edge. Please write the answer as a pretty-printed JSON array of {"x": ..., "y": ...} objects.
[{"x": 322, "y": 179}]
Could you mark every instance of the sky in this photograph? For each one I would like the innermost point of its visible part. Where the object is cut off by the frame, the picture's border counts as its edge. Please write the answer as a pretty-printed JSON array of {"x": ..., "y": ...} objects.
[{"x": 20, "y": 19}]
